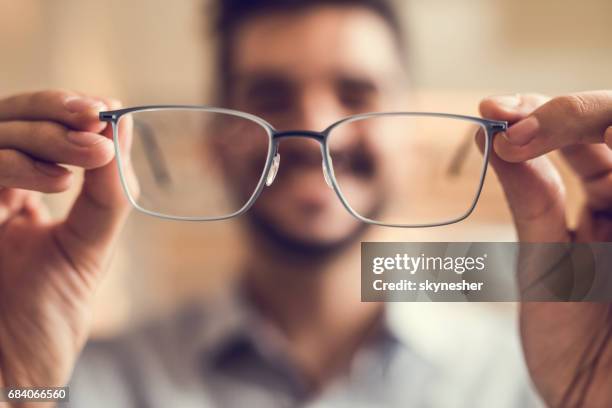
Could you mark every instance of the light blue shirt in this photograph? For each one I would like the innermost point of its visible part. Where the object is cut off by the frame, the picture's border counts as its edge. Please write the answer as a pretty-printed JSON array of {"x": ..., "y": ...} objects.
[{"x": 430, "y": 355}]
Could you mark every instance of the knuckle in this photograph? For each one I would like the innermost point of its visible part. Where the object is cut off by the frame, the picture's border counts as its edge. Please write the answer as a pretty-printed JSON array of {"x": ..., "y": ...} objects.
[
  {"x": 39, "y": 97},
  {"x": 12, "y": 100},
  {"x": 10, "y": 165},
  {"x": 8, "y": 158},
  {"x": 46, "y": 129},
  {"x": 575, "y": 106},
  {"x": 48, "y": 95}
]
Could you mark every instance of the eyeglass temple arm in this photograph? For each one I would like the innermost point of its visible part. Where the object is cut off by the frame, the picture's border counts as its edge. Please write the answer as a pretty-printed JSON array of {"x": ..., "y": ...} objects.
[
  {"x": 460, "y": 156},
  {"x": 154, "y": 154},
  {"x": 462, "y": 152}
]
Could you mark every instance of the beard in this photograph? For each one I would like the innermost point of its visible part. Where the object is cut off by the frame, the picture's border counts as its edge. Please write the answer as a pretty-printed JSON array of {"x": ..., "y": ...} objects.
[
  {"x": 355, "y": 161},
  {"x": 261, "y": 228}
]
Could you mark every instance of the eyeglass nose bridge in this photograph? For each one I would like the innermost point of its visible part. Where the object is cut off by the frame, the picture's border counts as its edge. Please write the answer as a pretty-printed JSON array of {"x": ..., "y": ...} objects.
[{"x": 318, "y": 136}]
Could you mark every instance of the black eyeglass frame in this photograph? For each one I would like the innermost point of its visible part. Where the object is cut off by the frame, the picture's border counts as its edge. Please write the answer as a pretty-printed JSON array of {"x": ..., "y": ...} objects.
[{"x": 491, "y": 127}]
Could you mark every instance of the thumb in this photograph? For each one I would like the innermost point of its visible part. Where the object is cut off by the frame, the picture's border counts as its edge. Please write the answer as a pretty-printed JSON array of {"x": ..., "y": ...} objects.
[
  {"x": 533, "y": 188},
  {"x": 99, "y": 211}
]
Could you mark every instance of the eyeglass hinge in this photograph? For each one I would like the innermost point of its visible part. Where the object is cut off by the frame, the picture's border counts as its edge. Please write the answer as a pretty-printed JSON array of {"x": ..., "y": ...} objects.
[
  {"x": 107, "y": 116},
  {"x": 499, "y": 126}
]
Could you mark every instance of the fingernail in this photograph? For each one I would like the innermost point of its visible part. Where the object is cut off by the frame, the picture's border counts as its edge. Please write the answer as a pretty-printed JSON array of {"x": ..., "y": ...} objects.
[
  {"x": 77, "y": 104},
  {"x": 49, "y": 169},
  {"x": 523, "y": 132},
  {"x": 507, "y": 102},
  {"x": 85, "y": 139}
]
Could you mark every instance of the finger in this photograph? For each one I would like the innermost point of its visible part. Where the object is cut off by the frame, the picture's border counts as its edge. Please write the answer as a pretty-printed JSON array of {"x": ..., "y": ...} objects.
[
  {"x": 53, "y": 142},
  {"x": 593, "y": 163},
  {"x": 536, "y": 198},
  {"x": 574, "y": 119},
  {"x": 599, "y": 193},
  {"x": 17, "y": 170},
  {"x": 11, "y": 201},
  {"x": 104, "y": 185},
  {"x": 98, "y": 214},
  {"x": 27, "y": 203},
  {"x": 512, "y": 108},
  {"x": 589, "y": 161},
  {"x": 533, "y": 188},
  {"x": 35, "y": 209},
  {"x": 68, "y": 108}
]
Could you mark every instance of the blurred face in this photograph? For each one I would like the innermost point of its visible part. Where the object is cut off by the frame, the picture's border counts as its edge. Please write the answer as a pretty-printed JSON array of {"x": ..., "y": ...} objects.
[{"x": 303, "y": 71}]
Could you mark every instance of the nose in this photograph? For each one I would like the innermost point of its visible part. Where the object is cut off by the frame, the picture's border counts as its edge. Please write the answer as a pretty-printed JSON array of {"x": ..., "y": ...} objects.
[
  {"x": 314, "y": 108},
  {"x": 314, "y": 111}
]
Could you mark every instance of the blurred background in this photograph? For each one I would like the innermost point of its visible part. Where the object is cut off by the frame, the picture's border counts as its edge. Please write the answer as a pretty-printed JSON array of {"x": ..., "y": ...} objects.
[{"x": 157, "y": 52}]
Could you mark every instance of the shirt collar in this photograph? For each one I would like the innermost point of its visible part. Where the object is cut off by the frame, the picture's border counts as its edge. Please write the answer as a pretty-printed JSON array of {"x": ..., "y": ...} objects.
[{"x": 228, "y": 320}]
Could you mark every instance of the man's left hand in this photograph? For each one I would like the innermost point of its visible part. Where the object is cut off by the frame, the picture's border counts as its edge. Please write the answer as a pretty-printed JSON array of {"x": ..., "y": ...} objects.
[{"x": 567, "y": 346}]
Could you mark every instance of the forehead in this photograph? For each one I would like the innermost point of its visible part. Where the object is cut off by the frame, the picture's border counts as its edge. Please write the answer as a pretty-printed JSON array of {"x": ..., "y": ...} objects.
[{"x": 316, "y": 41}]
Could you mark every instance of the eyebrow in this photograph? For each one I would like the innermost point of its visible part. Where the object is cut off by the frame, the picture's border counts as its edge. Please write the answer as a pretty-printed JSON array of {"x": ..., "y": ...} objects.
[
  {"x": 262, "y": 82},
  {"x": 360, "y": 82},
  {"x": 261, "y": 77}
]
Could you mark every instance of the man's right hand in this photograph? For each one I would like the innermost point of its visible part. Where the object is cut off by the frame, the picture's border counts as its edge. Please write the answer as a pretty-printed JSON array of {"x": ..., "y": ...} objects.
[{"x": 49, "y": 270}]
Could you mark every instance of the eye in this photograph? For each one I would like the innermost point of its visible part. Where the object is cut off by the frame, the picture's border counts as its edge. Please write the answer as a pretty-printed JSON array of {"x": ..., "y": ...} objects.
[
  {"x": 269, "y": 97},
  {"x": 271, "y": 103},
  {"x": 357, "y": 95}
]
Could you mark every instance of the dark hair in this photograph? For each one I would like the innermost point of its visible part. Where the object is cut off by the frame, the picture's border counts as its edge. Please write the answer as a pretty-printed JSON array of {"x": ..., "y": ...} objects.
[{"x": 230, "y": 14}]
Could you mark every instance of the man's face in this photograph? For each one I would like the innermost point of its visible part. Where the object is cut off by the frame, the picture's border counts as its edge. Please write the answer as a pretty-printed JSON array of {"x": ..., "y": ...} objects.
[{"x": 303, "y": 71}]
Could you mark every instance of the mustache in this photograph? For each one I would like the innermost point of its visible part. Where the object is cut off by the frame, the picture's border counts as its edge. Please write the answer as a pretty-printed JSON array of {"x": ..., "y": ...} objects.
[{"x": 304, "y": 250}]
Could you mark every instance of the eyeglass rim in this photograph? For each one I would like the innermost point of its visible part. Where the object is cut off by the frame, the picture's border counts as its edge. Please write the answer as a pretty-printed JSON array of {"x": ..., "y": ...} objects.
[{"x": 491, "y": 127}]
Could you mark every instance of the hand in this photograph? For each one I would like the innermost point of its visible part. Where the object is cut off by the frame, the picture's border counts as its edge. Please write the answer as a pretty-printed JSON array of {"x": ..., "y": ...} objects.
[
  {"x": 567, "y": 345},
  {"x": 49, "y": 270}
]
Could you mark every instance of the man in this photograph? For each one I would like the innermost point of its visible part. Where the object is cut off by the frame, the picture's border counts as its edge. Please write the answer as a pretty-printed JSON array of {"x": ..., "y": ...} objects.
[{"x": 296, "y": 333}]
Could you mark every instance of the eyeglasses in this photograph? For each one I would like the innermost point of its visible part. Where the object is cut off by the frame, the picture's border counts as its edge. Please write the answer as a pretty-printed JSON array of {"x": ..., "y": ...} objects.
[{"x": 399, "y": 169}]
